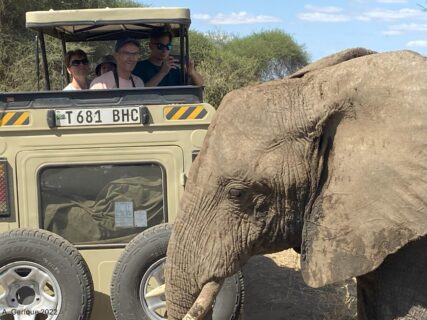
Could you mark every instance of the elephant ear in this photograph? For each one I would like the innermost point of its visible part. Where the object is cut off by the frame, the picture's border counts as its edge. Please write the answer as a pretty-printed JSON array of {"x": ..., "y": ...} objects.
[
  {"x": 332, "y": 60},
  {"x": 372, "y": 190}
]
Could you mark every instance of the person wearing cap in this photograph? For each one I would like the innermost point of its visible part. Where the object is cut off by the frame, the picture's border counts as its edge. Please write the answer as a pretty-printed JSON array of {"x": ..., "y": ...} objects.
[
  {"x": 77, "y": 65},
  {"x": 105, "y": 64},
  {"x": 160, "y": 69},
  {"x": 126, "y": 54}
]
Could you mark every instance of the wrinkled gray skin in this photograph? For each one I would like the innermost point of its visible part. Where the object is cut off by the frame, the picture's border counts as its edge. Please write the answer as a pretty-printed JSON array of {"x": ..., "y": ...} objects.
[{"x": 332, "y": 159}]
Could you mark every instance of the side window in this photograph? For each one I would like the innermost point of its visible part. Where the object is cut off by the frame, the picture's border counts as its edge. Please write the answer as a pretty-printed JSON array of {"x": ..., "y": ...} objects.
[{"x": 101, "y": 204}]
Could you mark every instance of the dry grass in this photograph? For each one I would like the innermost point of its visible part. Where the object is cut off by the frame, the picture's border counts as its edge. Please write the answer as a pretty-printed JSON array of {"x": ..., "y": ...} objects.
[{"x": 275, "y": 290}]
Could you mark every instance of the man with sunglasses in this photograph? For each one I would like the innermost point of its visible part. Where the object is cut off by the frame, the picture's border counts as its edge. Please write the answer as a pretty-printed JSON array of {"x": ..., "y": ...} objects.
[
  {"x": 77, "y": 66},
  {"x": 161, "y": 69},
  {"x": 126, "y": 54}
]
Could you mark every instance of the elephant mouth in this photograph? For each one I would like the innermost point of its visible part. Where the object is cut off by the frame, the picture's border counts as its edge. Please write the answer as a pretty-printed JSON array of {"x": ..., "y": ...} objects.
[{"x": 204, "y": 302}]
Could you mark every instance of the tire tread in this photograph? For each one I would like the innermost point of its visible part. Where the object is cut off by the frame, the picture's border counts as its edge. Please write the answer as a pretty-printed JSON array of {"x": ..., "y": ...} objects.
[{"x": 60, "y": 244}]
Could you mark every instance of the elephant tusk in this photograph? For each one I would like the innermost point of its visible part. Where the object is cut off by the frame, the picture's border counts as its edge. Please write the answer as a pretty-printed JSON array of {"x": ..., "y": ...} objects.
[
  {"x": 155, "y": 292},
  {"x": 204, "y": 301}
]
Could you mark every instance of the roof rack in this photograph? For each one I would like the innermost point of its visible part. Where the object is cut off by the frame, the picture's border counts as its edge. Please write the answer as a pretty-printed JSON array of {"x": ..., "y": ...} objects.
[{"x": 107, "y": 23}]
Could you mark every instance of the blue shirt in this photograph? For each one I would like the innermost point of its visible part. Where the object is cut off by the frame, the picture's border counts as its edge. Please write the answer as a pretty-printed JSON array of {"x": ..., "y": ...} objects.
[{"x": 146, "y": 70}]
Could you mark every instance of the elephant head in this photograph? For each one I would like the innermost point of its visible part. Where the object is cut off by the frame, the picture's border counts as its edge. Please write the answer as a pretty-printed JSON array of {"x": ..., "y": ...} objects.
[{"x": 332, "y": 159}]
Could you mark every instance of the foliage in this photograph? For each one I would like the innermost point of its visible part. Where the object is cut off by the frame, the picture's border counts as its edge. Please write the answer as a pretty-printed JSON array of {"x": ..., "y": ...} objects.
[
  {"x": 201, "y": 47},
  {"x": 225, "y": 72},
  {"x": 227, "y": 62},
  {"x": 276, "y": 53}
]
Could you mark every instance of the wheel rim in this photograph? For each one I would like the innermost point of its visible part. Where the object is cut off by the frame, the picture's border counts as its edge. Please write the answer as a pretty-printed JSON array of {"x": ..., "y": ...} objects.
[
  {"x": 29, "y": 291},
  {"x": 152, "y": 291}
]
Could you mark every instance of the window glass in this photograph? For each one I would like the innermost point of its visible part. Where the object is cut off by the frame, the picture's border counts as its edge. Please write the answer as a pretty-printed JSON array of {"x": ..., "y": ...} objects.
[{"x": 101, "y": 204}]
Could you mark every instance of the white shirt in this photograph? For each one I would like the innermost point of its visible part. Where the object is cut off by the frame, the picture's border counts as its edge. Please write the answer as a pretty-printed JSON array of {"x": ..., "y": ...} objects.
[{"x": 69, "y": 87}]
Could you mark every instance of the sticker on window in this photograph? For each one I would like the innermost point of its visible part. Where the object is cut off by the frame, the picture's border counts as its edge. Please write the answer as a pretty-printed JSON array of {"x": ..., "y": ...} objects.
[
  {"x": 140, "y": 218},
  {"x": 123, "y": 213}
]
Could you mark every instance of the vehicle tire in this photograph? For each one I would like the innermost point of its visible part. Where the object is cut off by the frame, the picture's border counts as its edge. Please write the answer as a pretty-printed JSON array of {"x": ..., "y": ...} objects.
[
  {"x": 43, "y": 276},
  {"x": 139, "y": 270}
]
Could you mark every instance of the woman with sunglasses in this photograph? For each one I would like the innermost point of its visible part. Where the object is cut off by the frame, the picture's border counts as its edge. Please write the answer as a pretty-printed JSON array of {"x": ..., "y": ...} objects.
[
  {"x": 78, "y": 67},
  {"x": 161, "y": 69}
]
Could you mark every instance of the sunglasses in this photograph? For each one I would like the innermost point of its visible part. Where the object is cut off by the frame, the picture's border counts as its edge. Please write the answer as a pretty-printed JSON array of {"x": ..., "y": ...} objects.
[
  {"x": 162, "y": 46},
  {"x": 77, "y": 62}
]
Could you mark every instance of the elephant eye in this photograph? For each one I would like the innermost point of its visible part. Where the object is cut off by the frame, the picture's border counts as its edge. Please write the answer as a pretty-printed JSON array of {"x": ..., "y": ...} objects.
[{"x": 234, "y": 193}]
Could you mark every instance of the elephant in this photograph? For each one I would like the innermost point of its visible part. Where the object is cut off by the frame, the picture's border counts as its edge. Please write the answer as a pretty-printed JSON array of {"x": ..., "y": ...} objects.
[{"x": 331, "y": 161}]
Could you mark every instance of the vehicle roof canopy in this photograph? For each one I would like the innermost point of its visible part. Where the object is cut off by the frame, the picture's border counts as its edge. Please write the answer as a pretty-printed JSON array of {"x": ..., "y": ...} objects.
[{"x": 106, "y": 24}]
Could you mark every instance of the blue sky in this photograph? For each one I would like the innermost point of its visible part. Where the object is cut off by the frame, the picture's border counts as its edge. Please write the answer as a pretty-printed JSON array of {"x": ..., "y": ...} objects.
[{"x": 323, "y": 26}]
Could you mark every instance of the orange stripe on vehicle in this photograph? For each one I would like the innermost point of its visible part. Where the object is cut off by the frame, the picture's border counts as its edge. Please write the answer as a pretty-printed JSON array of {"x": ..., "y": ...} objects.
[
  {"x": 166, "y": 110},
  {"x": 7, "y": 116},
  {"x": 180, "y": 112},
  {"x": 196, "y": 112},
  {"x": 22, "y": 118}
]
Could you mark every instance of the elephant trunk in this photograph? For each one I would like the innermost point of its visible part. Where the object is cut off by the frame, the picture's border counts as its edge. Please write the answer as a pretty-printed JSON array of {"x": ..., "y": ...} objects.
[
  {"x": 204, "y": 301},
  {"x": 179, "y": 298},
  {"x": 193, "y": 274},
  {"x": 181, "y": 284}
]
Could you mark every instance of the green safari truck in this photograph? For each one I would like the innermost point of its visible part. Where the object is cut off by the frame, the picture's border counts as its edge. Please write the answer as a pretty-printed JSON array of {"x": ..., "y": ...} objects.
[{"x": 90, "y": 181}]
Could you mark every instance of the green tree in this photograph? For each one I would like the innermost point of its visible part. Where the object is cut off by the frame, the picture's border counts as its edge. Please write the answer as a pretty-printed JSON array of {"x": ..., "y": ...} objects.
[
  {"x": 227, "y": 62},
  {"x": 276, "y": 52},
  {"x": 224, "y": 72},
  {"x": 202, "y": 47}
]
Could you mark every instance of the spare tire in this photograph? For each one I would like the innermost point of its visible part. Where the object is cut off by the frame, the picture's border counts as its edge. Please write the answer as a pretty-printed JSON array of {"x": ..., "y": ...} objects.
[
  {"x": 42, "y": 276},
  {"x": 137, "y": 286}
]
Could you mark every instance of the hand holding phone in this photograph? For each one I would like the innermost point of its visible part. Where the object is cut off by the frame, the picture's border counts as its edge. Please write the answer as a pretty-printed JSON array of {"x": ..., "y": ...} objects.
[{"x": 168, "y": 63}]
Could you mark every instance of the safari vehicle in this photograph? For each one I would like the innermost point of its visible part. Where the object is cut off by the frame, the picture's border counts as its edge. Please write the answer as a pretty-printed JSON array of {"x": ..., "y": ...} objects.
[{"x": 83, "y": 173}]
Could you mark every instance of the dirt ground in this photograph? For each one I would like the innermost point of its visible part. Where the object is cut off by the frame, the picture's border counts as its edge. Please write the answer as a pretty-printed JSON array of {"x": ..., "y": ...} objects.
[{"x": 275, "y": 290}]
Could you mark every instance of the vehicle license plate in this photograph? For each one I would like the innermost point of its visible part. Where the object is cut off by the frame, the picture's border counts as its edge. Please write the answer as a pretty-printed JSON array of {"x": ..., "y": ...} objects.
[{"x": 100, "y": 116}]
